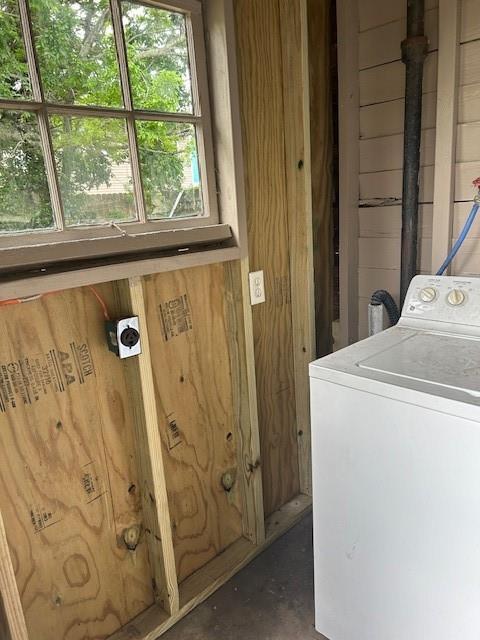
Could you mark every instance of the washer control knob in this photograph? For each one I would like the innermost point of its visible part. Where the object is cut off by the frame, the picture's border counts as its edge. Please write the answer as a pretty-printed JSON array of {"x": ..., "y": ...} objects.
[
  {"x": 456, "y": 297},
  {"x": 428, "y": 294}
]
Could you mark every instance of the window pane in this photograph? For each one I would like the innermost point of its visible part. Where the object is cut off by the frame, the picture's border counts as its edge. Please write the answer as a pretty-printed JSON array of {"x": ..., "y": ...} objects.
[
  {"x": 24, "y": 195},
  {"x": 14, "y": 81},
  {"x": 158, "y": 61},
  {"x": 170, "y": 174},
  {"x": 76, "y": 52},
  {"x": 93, "y": 164}
]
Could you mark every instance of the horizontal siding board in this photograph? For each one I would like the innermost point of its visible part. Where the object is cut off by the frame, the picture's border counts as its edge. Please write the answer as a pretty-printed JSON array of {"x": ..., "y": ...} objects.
[
  {"x": 467, "y": 260},
  {"x": 388, "y": 184},
  {"x": 465, "y": 173},
  {"x": 387, "y": 118},
  {"x": 370, "y": 280},
  {"x": 386, "y": 154},
  {"x": 469, "y": 103},
  {"x": 387, "y": 82},
  {"x": 461, "y": 211},
  {"x": 470, "y": 20},
  {"x": 374, "y": 13},
  {"x": 384, "y": 253},
  {"x": 383, "y": 44},
  {"x": 469, "y": 72},
  {"x": 468, "y": 142},
  {"x": 386, "y": 222}
]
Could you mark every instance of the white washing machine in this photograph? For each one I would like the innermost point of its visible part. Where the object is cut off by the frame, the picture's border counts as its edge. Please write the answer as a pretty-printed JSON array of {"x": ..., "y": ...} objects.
[{"x": 396, "y": 474}]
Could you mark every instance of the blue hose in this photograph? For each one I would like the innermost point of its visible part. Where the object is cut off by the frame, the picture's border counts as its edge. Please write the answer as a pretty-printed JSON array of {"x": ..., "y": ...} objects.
[{"x": 464, "y": 233}]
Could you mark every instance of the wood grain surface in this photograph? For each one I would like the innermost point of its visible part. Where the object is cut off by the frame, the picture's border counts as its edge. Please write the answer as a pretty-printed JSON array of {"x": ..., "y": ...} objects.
[
  {"x": 187, "y": 322},
  {"x": 68, "y": 480},
  {"x": 263, "y": 132}
]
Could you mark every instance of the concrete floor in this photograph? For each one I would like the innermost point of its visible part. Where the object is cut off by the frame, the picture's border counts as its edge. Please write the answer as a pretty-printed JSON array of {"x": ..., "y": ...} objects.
[{"x": 271, "y": 599}]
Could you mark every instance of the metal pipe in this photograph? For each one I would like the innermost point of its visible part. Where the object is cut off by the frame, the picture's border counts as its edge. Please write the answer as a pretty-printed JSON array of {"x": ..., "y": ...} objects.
[
  {"x": 375, "y": 319},
  {"x": 414, "y": 52}
]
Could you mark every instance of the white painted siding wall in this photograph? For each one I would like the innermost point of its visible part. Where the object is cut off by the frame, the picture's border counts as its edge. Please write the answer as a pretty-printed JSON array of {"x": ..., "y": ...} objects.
[
  {"x": 381, "y": 79},
  {"x": 382, "y": 27}
]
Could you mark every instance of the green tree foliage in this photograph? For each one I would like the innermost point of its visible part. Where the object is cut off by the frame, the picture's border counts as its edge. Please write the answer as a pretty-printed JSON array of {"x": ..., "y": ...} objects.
[{"x": 78, "y": 64}]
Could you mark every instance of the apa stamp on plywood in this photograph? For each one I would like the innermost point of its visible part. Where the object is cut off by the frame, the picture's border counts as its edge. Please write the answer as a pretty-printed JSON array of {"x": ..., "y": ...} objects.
[
  {"x": 42, "y": 518},
  {"x": 28, "y": 379},
  {"x": 173, "y": 432},
  {"x": 176, "y": 317},
  {"x": 92, "y": 483}
]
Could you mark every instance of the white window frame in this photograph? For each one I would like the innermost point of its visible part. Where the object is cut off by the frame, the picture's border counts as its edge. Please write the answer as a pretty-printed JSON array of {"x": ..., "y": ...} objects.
[{"x": 20, "y": 250}]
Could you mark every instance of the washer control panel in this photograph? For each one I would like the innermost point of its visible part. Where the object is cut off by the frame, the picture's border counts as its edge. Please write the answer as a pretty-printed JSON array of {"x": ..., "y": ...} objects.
[{"x": 453, "y": 299}]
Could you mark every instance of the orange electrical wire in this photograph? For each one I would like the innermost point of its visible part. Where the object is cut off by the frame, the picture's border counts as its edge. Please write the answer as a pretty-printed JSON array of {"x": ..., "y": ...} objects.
[{"x": 100, "y": 300}]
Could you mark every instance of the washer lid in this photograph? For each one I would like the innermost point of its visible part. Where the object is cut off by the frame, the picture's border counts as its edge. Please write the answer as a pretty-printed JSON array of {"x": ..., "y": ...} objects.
[{"x": 432, "y": 358}]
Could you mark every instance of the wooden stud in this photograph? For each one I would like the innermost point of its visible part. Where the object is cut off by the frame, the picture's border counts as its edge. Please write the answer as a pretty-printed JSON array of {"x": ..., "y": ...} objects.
[
  {"x": 239, "y": 325},
  {"x": 263, "y": 128},
  {"x": 14, "y": 620},
  {"x": 219, "y": 18},
  {"x": 322, "y": 159},
  {"x": 446, "y": 132},
  {"x": 296, "y": 101},
  {"x": 348, "y": 122},
  {"x": 155, "y": 502}
]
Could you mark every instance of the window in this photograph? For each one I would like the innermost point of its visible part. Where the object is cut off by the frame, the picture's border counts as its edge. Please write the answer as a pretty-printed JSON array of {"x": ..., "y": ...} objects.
[{"x": 105, "y": 133}]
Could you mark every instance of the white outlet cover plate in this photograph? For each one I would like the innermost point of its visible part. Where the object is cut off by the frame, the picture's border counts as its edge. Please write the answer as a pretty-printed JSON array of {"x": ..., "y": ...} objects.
[
  {"x": 257, "y": 287},
  {"x": 123, "y": 351}
]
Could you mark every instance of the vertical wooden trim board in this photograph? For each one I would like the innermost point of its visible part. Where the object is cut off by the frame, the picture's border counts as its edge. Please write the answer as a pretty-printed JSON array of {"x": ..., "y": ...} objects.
[
  {"x": 321, "y": 151},
  {"x": 231, "y": 186},
  {"x": 348, "y": 122},
  {"x": 243, "y": 384},
  {"x": 263, "y": 128},
  {"x": 296, "y": 100},
  {"x": 11, "y": 612},
  {"x": 155, "y": 503},
  {"x": 446, "y": 132}
]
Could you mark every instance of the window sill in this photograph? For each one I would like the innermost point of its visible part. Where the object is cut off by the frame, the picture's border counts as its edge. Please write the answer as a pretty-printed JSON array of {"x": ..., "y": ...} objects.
[
  {"x": 42, "y": 254},
  {"x": 67, "y": 275}
]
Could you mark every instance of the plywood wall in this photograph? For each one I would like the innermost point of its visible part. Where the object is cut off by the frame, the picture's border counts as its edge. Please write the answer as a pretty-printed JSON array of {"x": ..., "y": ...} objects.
[
  {"x": 134, "y": 488},
  {"x": 68, "y": 473},
  {"x": 187, "y": 315},
  {"x": 73, "y": 488}
]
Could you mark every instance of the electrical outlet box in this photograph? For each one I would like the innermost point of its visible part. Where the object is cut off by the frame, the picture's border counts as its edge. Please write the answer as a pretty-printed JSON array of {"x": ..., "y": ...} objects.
[
  {"x": 123, "y": 337},
  {"x": 257, "y": 287}
]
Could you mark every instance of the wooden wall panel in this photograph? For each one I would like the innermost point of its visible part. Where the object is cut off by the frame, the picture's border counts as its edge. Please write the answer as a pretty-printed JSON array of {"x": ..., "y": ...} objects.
[
  {"x": 297, "y": 66},
  {"x": 381, "y": 45},
  {"x": 386, "y": 118},
  {"x": 374, "y": 13},
  {"x": 4, "y": 630},
  {"x": 387, "y": 185},
  {"x": 385, "y": 153},
  {"x": 384, "y": 253},
  {"x": 386, "y": 222},
  {"x": 387, "y": 82},
  {"x": 382, "y": 27},
  {"x": 69, "y": 487},
  {"x": 470, "y": 23},
  {"x": 189, "y": 337},
  {"x": 263, "y": 124}
]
